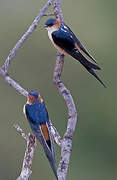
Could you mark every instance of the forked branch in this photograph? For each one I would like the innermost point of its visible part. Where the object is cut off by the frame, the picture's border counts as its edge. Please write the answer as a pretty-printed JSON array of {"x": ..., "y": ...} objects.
[{"x": 66, "y": 142}]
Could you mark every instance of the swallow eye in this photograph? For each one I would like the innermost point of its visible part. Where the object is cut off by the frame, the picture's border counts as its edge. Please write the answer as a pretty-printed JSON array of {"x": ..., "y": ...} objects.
[
  {"x": 48, "y": 25},
  {"x": 45, "y": 26}
]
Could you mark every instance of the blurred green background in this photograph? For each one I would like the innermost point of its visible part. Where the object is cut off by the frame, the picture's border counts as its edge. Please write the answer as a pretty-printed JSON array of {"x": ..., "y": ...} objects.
[{"x": 94, "y": 152}]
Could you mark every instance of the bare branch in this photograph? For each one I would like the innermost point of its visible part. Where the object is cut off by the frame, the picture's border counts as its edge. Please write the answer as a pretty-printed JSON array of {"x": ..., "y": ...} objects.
[
  {"x": 30, "y": 139},
  {"x": 55, "y": 134},
  {"x": 21, "y": 132},
  {"x": 25, "y": 36},
  {"x": 4, "y": 68},
  {"x": 66, "y": 144},
  {"x": 12, "y": 83},
  {"x": 57, "y": 9},
  {"x": 29, "y": 153}
]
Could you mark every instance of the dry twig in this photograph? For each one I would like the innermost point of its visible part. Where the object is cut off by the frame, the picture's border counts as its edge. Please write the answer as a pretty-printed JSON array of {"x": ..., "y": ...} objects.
[{"x": 29, "y": 153}]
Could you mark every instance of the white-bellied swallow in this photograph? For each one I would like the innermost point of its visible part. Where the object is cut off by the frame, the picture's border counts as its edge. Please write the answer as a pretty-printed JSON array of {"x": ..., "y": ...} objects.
[{"x": 65, "y": 41}]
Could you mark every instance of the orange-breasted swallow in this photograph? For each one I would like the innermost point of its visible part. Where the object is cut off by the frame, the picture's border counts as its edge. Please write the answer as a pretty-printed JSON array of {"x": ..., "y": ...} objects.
[
  {"x": 65, "y": 41},
  {"x": 38, "y": 119}
]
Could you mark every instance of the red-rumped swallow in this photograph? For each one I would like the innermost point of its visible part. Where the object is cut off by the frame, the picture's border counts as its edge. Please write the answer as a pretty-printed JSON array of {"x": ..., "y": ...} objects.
[
  {"x": 37, "y": 115},
  {"x": 65, "y": 41}
]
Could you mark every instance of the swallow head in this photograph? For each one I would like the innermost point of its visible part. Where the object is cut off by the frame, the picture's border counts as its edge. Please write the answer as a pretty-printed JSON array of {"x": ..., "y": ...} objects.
[
  {"x": 52, "y": 24},
  {"x": 33, "y": 97}
]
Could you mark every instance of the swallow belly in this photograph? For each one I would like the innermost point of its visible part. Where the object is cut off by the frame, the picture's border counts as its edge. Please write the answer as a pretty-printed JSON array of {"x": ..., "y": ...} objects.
[{"x": 61, "y": 50}]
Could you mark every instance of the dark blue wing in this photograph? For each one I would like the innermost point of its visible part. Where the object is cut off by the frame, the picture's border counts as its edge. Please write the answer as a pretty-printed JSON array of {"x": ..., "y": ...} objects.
[
  {"x": 37, "y": 112},
  {"x": 78, "y": 42},
  {"x": 49, "y": 152},
  {"x": 35, "y": 117},
  {"x": 64, "y": 40}
]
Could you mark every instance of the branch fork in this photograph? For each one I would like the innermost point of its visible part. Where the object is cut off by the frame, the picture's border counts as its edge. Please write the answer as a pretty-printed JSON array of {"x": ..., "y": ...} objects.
[{"x": 65, "y": 143}]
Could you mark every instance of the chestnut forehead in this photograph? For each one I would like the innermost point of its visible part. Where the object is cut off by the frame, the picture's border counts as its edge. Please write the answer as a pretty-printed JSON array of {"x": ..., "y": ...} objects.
[
  {"x": 31, "y": 97},
  {"x": 52, "y": 21},
  {"x": 34, "y": 93}
]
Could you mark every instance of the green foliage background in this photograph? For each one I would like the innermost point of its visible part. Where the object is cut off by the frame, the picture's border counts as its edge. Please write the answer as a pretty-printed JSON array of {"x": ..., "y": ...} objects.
[{"x": 94, "y": 153}]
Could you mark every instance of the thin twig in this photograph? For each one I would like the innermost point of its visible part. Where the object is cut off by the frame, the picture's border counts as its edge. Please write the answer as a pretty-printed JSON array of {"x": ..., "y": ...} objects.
[
  {"x": 55, "y": 134},
  {"x": 29, "y": 153},
  {"x": 21, "y": 132}
]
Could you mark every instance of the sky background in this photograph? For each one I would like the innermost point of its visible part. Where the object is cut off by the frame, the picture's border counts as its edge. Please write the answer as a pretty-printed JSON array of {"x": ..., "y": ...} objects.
[{"x": 94, "y": 152}]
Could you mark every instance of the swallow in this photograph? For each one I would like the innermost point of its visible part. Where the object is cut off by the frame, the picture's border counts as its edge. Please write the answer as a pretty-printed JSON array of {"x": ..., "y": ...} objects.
[
  {"x": 37, "y": 115},
  {"x": 65, "y": 41}
]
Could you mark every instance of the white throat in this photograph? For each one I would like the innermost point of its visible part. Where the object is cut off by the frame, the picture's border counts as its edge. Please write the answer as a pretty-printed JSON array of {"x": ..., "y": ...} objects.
[{"x": 50, "y": 31}]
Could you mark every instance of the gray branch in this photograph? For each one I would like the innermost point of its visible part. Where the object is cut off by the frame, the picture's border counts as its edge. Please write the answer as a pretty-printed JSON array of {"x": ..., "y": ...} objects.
[
  {"x": 29, "y": 153},
  {"x": 55, "y": 134},
  {"x": 57, "y": 9},
  {"x": 66, "y": 145},
  {"x": 66, "y": 142},
  {"x": 4, "y": 68},
  {"x": 12, "y": 83},
  {"x": 25, "y": 36}
]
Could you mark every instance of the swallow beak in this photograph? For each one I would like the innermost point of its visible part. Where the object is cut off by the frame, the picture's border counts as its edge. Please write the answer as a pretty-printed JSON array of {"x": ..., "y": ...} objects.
[{"x": 45, "y": 26}]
